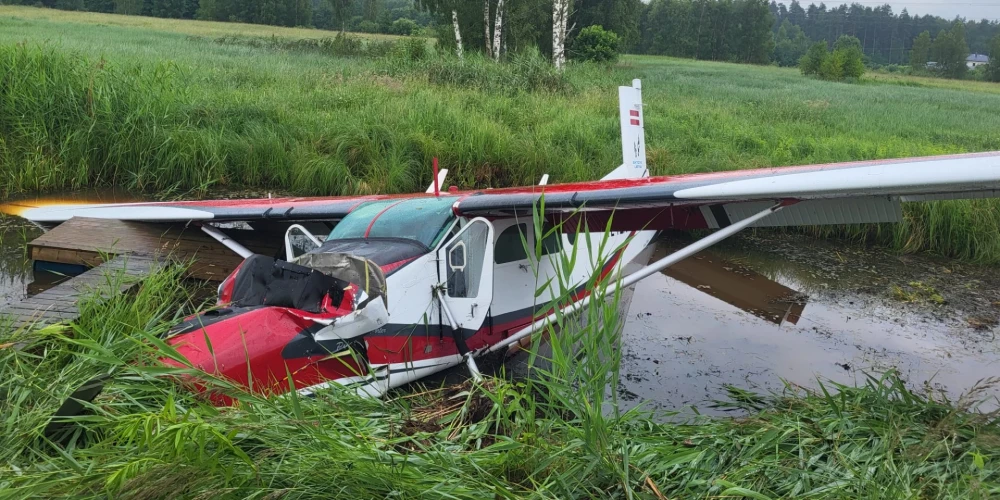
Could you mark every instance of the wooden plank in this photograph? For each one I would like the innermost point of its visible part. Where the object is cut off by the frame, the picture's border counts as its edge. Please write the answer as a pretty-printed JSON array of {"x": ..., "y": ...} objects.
[
  {"x": 30, "y": 309},
  {"x": 63, "y": 256},
  {"x": 61, "y": 302},
  {"x": 84, "y": 241}
]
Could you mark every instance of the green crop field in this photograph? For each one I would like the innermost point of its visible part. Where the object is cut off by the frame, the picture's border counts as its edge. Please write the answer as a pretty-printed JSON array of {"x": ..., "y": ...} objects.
[
  {"x": 176, "y": 107},
  {"x": 66, "y": 19}
]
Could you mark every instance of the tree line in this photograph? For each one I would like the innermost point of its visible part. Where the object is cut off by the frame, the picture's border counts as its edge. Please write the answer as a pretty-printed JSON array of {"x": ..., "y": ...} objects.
[
  {"x": 719, "y": 30},
  {"x": 928, "y": 44},
  {"x": 373, "y": 16},
  {"x": 746, "y": 31},
  {"x": 886, "y": 37}
]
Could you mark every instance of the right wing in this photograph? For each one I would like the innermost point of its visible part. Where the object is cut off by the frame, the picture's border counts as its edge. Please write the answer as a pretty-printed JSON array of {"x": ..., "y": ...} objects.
[{"x": 845, "y": 193}]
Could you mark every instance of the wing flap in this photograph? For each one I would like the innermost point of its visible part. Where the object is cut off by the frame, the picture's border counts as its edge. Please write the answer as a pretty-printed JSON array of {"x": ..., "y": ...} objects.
[{"x": 818, "y": 212}]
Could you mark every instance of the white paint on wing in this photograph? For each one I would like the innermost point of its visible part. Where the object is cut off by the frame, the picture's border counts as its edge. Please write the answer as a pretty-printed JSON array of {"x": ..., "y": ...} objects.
[
  {"x": 62, "y": 213},
  {"x": 948, "y": 175}
]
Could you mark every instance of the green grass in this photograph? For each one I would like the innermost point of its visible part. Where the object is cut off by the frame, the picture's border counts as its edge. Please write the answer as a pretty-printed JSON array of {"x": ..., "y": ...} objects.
[
  {"x": 99, "y": 100},
  {"x": 558, "y": 434},
  {"x": 186, "y": 26}
]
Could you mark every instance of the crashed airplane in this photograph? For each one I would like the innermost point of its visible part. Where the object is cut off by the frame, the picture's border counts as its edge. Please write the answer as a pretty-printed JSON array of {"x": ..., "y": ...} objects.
[{"x": 403, "y": 287}]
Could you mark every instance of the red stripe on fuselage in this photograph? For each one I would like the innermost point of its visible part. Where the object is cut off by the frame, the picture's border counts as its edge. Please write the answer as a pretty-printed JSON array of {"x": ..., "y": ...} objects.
[
  {"x": 389, "y": 268},
  {"x": 372, "y": 223}
]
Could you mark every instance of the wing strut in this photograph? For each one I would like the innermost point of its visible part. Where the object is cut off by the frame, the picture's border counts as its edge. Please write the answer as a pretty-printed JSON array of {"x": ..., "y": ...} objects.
[
  {"x": 230, "y": 243},
  {"x": 643, "y": 273},
  {"x": 459, "y": 340}
]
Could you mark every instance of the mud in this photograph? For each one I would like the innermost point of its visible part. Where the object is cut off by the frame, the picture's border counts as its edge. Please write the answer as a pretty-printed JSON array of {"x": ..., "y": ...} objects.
[{"x": 854, "y": 312}]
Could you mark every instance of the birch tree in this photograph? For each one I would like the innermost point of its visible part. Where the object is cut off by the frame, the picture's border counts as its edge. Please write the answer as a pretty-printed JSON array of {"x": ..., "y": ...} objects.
[
  {"x": 341, "y": 9},
  {"x": 497, "y": 30},
  {"x": 560, "y": 16},
  {"x": 492, "y": 41},
  {"x": 458, "y": 33},
  {"x": 442, "y": 8}
]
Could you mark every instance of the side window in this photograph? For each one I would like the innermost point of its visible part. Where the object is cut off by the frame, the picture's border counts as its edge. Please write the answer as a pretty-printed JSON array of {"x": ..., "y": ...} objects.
[
  {"x": 465, "y": 256},
  {"x": 509, "y": 246},
  {"x": 552, "y": 242}
]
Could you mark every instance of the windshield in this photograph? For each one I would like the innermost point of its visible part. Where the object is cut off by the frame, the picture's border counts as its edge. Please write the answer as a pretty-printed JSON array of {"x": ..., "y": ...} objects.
[{"x": 420, "y": 219}]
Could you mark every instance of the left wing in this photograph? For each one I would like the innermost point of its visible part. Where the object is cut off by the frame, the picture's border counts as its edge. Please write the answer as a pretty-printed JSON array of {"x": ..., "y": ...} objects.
[
  {"x": 843, "y": 193},
  {"x": 284, "y": 209}
]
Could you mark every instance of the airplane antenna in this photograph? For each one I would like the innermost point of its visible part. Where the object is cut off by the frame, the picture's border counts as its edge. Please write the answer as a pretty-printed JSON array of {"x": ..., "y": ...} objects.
[{"x": 437, "y": 187}]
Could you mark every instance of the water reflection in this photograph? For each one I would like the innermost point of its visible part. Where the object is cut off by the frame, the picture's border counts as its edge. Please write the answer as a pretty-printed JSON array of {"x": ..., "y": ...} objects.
[
  {"x": 15, "y": 265},
  {"x": 737, "y": 285},
  {"x": 682, "y": 345}
]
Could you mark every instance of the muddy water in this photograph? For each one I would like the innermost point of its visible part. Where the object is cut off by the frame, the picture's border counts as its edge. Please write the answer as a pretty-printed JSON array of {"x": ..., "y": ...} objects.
[
  {"x": 787, "y": 308},
  {"x": 15, "y": 267}
]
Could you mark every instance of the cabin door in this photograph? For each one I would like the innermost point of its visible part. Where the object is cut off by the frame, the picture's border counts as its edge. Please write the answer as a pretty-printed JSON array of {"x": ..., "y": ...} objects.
[{"x": 466, "y": 264}]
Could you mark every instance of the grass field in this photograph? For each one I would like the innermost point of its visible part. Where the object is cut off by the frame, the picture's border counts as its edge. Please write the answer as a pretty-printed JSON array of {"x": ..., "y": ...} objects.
[
  {"x": 161, "y": 106},
  {"x": 185, "y": 26},
  {"x": 931, "y": 82}
]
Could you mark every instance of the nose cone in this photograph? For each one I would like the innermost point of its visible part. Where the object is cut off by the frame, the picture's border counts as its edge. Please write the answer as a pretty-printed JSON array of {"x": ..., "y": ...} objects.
[{"x": 258, "y": 347}]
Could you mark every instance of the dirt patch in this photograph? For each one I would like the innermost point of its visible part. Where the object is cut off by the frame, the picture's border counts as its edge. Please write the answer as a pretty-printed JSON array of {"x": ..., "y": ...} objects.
[{"x": 447, "y": 408}]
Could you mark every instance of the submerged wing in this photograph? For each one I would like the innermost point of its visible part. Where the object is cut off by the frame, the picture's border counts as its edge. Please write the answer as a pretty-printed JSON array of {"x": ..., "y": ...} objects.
[{"x": 825, "y": 194}]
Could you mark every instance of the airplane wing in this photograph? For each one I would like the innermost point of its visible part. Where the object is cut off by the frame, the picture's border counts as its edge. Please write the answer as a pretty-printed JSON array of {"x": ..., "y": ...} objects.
[
  {"x": 846, "y": 193},
  {"x": 291, "y": 209}
]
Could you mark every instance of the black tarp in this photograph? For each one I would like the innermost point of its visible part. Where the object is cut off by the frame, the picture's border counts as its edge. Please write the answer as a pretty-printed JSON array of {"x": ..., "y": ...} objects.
[{"x": 264, "y": 281}]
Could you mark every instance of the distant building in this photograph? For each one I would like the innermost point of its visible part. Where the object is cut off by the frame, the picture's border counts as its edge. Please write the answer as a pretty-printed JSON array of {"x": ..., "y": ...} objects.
[{"x": 976, "y": 60}]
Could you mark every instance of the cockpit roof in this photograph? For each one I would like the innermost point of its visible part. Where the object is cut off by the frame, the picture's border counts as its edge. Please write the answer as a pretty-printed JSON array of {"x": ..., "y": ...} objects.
[{"x": 417, "y": 219}]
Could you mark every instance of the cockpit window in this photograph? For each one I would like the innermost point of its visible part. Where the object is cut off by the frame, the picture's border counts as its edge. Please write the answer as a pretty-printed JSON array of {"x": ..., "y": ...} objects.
[{"x": 420, "y": 219}]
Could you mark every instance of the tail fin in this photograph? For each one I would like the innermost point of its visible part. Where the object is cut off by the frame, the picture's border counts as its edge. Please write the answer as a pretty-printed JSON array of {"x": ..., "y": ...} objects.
[{"x": 633, "y": 136}]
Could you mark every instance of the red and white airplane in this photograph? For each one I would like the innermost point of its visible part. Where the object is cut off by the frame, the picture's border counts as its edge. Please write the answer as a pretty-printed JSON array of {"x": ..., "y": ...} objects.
[{"x": 406, "y": 286}]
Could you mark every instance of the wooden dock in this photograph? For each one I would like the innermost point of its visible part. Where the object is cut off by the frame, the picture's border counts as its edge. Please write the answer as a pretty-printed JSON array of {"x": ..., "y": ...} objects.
[
  {"x": 61, "y": 302},
  {"x": 87, "y": 242},
  {"x": 134, "y": 248}
]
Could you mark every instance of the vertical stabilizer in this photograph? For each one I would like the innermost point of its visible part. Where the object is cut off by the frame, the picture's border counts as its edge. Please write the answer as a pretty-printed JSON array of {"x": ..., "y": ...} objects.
[{"x": 632, "y": 122}]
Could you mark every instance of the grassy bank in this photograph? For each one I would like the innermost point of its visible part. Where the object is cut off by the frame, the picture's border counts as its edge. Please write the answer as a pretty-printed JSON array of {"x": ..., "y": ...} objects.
[
  {"x": 557, "y": 435},
  {"x": 101, "y": 100}
]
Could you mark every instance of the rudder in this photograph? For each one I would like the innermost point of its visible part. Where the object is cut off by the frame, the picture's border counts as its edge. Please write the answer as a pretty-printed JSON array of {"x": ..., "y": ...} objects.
[{"x": 632, "y": 133}]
